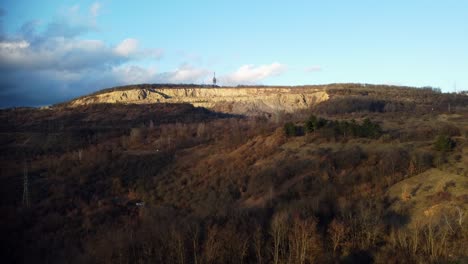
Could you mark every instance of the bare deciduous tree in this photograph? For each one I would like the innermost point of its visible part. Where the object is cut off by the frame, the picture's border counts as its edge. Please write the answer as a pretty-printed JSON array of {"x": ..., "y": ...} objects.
[
  {"x": 304, "y": 245},
  {"x": 278, "y": 234},
  {"x": 258, "y": 244},
  {"x": 337, "y": 232}
]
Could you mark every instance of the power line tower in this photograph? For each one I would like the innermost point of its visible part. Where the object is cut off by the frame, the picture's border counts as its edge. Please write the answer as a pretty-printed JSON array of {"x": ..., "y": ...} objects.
[
  {"x": 214, "y": 79},
  {"x": 25, "y": 185}
]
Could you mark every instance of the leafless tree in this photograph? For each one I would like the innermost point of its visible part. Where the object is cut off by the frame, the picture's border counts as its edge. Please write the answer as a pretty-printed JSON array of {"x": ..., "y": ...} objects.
[
  {"x": 258, "y": 244},
  {"x": 278, "y": 233},
  {"x": 337, "y": 231}
]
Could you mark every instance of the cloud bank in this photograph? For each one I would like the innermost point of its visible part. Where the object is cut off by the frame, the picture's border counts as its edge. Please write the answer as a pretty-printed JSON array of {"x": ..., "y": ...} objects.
[
  {"x": 57, "y": 63},
  {"x": 131, "y": 74}
]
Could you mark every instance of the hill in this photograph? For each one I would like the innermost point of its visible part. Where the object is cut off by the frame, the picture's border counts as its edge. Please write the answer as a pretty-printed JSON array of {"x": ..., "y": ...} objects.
[
  {"x": 269, "y": 101},
  {"x": 239, "y": 100},
  {"x": 336, "y": 173}
]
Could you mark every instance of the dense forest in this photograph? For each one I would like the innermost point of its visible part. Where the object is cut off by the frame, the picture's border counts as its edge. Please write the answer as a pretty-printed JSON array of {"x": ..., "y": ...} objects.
[{"x": 366, "y": 177}]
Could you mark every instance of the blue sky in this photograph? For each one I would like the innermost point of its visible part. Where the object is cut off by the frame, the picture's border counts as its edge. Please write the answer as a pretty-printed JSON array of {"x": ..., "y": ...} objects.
[{"x": 52, "y": 51}]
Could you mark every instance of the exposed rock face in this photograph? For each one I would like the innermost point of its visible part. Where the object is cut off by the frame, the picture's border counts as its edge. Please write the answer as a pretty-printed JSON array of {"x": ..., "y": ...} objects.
[{"x": 250, "y": 101}]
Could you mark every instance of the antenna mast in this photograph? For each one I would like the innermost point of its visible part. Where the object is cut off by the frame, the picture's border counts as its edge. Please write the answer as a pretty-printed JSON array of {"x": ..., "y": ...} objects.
[{"x": 214, "y": 79}]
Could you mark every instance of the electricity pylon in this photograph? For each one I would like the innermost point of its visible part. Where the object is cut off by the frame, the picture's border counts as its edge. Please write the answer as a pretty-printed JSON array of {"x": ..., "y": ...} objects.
[{"x": 25, "y": 185}]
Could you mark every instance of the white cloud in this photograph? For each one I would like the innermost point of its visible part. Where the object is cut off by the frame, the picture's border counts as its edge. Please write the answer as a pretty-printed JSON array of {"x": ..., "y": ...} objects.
[
  {"x": 57, "y": 53},
  {"x": 249, "y": 74},
  {"x": 127, "y": 47},
  {"x": 132, "y": 74},
  {"x": 94, "y": 9},
  {"x": 186, "y": 74},
  {"x": 63, "y": 53},
  {"x": 13, "y": 45}
]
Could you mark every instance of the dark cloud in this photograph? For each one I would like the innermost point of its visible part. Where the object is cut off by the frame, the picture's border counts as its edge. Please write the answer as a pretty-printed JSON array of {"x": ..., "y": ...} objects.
[
  {"x": 38, "y": 68},
  {"x": 20, "y": 88}
]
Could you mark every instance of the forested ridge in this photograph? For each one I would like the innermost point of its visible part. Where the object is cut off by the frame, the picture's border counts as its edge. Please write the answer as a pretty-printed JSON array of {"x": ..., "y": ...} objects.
[{"x": 373, "y": 175}]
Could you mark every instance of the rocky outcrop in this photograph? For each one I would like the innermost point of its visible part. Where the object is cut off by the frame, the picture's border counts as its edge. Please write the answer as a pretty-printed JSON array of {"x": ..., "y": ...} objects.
[{"x": 250, "y": 101}]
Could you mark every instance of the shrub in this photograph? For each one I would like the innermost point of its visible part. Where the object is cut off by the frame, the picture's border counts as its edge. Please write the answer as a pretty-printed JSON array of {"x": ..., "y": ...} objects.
[
  {"x": 370, "y": 129},
  {"x": 449, "y": 130},
  {"x": 348, "y": 158},
  {"x": 314, "y": 123},
  {"x": 310, "y": 124},
  {"x": 292, "y": 130},
  {"x": 420, "y": 161},
  {"x": 444, "y": 143},
  {"x": 289, "y": 129},
  {"x": 329, "y": 129}
]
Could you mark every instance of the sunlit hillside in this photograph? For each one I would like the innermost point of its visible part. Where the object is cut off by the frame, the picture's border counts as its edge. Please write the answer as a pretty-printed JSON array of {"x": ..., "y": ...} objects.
[{"x": 352, "y": 173}]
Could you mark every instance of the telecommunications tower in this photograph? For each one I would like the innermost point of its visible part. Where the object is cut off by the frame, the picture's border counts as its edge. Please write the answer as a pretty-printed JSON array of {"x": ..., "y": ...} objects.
[{"x": 214, "y": 79}]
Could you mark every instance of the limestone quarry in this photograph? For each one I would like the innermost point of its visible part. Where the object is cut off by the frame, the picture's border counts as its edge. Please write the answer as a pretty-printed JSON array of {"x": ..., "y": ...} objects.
[{"x": 249, "y": 101}]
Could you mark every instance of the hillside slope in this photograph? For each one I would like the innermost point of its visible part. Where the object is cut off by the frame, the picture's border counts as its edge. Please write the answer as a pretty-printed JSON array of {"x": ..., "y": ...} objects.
[{"x": 348, "y": 180}]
